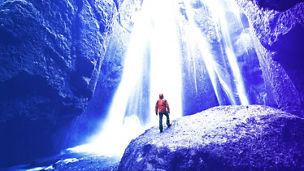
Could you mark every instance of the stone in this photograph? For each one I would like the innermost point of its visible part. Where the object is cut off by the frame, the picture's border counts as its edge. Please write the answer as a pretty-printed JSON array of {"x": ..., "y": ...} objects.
[
  {"x": 51, "y": 54},
  {"x": 279, "y": 5},
  {"x": 221, "y": 138},
  {"x": 276, "y": 35}
]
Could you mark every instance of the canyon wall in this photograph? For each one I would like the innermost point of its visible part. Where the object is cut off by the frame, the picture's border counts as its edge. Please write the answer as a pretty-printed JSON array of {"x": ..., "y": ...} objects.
[
  {"x": 277, "y": 28},
  {"x": 51, "y": 54}
]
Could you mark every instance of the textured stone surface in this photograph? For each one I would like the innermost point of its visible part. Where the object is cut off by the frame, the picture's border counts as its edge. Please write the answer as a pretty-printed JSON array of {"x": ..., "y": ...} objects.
[
  {"x": 279, "y": 5},
  {"x": 221, "y": 138},
  {"x": 111, "y": 70},
  {"x": 277, "y": 36},
  {"x": 50, "y": 58}
]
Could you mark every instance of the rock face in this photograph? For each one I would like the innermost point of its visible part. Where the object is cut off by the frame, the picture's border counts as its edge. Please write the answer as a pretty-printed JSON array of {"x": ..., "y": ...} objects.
[
  {"x": 50, "y": 58},
  {"x": 221, "y": 138},
  {"x": 279, "y": 5},
  {"x": 277, "y": 33},
  {"x": 110, "y": 74}
]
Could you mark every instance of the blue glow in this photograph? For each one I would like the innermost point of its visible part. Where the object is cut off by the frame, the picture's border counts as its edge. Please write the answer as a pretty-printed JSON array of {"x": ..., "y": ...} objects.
[
  {"x": 152, "y": 65},
  {"x": 218, "y": 10},
  {"x": 155, "y": 32}
]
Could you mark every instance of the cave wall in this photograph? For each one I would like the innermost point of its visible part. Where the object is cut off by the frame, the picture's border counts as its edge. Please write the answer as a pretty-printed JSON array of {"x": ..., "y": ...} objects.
[
  {"x": 277, "y": 28},
  {"x": 51, "y": 54},
  {"x": 90, "y": 121}
]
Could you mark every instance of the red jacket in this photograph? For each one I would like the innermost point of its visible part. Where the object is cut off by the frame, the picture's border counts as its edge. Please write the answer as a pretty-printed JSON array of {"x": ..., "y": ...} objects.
[{"x": 162, "y": 106}]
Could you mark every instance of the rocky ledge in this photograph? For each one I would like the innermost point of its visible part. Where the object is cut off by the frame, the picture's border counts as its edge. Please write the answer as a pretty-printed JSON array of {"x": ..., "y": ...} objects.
[{"x": 225, "y": 137}]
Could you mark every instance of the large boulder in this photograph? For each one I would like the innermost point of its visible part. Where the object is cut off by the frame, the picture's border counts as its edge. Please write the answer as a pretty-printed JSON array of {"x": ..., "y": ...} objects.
[
  {"x": 277, "y": 34},
  {"x": 221, "y": 138},
  {"x": 50, "y": 59}
]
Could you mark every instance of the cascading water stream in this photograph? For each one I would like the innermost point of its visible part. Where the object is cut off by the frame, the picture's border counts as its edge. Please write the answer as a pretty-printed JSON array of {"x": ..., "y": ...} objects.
[
  {"x": 165, "y": 73},
  {"x": 152, "y": 65},
  {"x": 218, "y": 9},
  {"x": 195, "y": 40}
]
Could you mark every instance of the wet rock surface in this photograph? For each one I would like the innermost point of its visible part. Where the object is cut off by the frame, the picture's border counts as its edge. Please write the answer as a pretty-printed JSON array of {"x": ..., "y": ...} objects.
[
  {"x": 70, "y": 162},
  {"x": 279, "y": 5},
  {"x": 277, "y": 34},
  {"x": 50, "y": 58},
  {"x": 221, "y": 138},
  {"x": 97, "y": 163}
]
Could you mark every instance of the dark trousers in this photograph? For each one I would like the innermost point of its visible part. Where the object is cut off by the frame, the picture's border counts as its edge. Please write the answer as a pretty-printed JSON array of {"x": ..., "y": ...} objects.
[{"x": 161, "y": 120}]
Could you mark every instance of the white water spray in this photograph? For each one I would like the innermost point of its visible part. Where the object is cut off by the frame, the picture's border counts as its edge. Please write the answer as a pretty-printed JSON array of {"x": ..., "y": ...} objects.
[
  {"x": 165, "y": 74},
  {"x": 196, "y": 41},
  {"x": 153, "y": 65},
  {"x": 153, "y": 52},
  {"x": 218, "y": 9}
]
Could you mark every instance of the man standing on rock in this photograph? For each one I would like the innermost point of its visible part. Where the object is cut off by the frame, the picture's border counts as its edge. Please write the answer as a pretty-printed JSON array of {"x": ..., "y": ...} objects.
[{"x": 162, "y": 108}]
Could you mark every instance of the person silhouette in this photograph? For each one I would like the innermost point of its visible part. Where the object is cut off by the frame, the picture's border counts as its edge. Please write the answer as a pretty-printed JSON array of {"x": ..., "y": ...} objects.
[{"x": 162, "y": 108}]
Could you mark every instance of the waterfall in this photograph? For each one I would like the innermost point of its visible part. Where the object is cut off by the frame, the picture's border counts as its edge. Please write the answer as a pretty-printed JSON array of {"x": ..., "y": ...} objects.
[
  {"x": 151, "y": 66},
  {"x": 165, "y": 33},
  {"x": 218, "y": 9},
  {"x": 198, "y": 45}
]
